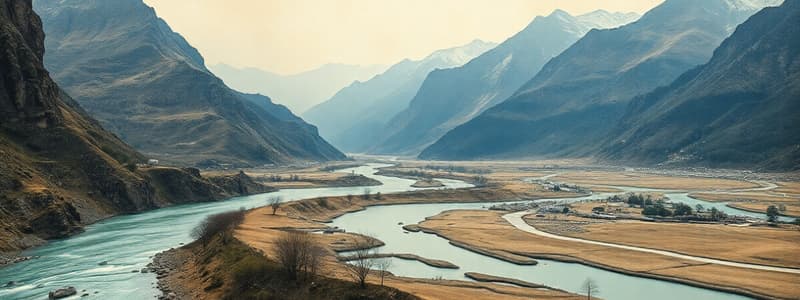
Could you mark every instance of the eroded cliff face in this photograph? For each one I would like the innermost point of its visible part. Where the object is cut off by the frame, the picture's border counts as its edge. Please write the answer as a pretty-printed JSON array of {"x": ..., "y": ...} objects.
[{"x": 59, "y": 169}]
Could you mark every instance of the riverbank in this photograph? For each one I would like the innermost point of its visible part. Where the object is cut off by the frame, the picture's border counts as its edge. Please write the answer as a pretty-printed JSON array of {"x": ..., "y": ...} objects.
[
  {"x": 325, "y": 209},
  {"x": 427, "y": 183},
  {"x": 260, "y": 229},
  {"x": 487, "y": 230},
  {"x": 306, "y": 177},
  {"x": 162, "y": 187},
  {"x": 232, "y": 270},
  {"x": 755, "y": 201}
]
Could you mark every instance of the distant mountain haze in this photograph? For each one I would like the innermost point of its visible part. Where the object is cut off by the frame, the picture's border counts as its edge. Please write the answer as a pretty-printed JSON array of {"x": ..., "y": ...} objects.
[
  {"x": 355, "y": 117},
  {"x": 737, "y": 111},
  {"x": 300, "y": 91},
  {"x": 579, "y": 96},
  {"x": 450, "y": 97},
  {"x": 145, "y": 83}
]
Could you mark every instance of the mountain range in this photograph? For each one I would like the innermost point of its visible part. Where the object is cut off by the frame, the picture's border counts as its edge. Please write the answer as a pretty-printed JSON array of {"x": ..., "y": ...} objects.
[
  {"x": 737, "y": 110},
  {"x": 579, "y": 96},
  {"x": 355, "y": 117},
  {"x": 145, "y": 83},
  {"x": 447, "y": 98},
  {"x": 299, "y": 91}
]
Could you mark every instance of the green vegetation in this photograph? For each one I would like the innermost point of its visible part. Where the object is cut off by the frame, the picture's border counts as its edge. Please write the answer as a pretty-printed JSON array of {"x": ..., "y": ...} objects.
[{"x": 772, "y": 214}]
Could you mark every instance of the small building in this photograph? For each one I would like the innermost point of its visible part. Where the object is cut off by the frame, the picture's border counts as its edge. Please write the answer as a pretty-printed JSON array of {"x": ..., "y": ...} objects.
[{"x": 152, "y": 162}]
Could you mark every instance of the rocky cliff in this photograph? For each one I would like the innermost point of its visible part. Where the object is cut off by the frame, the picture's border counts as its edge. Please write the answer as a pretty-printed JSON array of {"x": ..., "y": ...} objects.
[{"x": 59, "y": 169}]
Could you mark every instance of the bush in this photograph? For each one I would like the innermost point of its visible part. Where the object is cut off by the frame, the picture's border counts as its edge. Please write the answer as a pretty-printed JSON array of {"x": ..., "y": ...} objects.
[
  {"x": 681, "y": 209},
  {"x": 297, "y": 252},
  {"x": 217, "y": 225}
]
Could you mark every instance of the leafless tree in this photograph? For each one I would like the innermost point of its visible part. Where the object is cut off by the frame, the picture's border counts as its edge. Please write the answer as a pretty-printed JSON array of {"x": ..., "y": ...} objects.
[
  {"x": 590, "y": 287},
  {"x": 218, "y": 225},
  {"x": 297, "y": 252},
  {"x": 275, "y": 203},
  {"x": 366, "y": 194},
  {"x": 383, "y": 265},
  {"x": 360, "y": 264}
]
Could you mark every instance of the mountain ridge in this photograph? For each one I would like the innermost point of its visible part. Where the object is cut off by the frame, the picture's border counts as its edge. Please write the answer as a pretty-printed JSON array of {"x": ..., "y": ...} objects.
[
  {"x": 355, "y": 115},
  {"x": 145, "y": 83},
  {"x": 734, "y": 111},
  {"x": 447, "y": 98},
  {"x": 299, "y": 91},
  {"x": 578, "y": 96}
]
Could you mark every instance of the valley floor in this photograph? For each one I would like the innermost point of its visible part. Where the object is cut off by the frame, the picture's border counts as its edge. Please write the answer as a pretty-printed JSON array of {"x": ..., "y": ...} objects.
[{"x": 488, "y": 232}]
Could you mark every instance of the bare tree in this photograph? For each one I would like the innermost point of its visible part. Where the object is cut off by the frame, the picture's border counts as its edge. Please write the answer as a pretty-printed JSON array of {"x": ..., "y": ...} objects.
[
  {"x": 359, "y": 265},
  {"x": 349, "y": 199},
  {"x": 590, "y": 287},
  {"x": 366, "y": 194},
  {"x": 218, "y": 225},
  {"x": 275, "y": 203},
  {"x": 297, "y": 252},
  {"x": 383, "y": 265}
]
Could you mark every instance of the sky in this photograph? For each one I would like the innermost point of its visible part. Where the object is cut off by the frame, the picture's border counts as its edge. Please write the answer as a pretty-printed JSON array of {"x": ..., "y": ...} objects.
[{"x": 291, "y": 36}]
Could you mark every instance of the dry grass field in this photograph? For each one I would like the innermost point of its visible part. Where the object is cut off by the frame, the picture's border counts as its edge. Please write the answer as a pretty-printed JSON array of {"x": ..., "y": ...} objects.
[
  {"x": 758, "y": 245},
  {"x": 487, "y": 230},
  {"x": 788, "y": 187}
]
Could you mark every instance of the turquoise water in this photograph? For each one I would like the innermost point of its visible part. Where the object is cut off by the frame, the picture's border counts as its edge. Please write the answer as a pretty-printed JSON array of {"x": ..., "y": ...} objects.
[
  {"x": 381, "y": 222},
  {"x": 128, "y": 243}
]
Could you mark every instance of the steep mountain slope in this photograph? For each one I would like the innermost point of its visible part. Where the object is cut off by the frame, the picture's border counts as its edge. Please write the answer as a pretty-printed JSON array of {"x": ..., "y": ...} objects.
[
  {"x": 354, "y": 117},
  {"x": 299, "y": 91},
  {"x": 741, "y": 109},
  {"x": 58, "y": 168},
  {"x": 451, "y": 97},
  {"x": 142, "y": 81},
  {"x": 568, "y": 107}
]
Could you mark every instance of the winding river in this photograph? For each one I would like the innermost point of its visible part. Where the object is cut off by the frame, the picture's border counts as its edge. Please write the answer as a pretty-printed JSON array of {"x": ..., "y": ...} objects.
[{"x": 128, "y": 242}]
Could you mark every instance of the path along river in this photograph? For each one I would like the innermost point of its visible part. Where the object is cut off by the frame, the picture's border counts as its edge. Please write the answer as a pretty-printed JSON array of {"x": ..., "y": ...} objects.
[{"x": 128, "y": 242}]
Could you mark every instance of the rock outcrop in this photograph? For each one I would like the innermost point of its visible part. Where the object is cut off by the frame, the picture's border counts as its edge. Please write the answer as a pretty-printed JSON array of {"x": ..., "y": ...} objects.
[{"x": 59, "y": 169}]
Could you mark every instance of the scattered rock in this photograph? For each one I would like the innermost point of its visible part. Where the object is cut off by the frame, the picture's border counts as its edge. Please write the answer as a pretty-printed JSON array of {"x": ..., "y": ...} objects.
[
  {"x": 62, "y": 293},
  {"x": 103, "y": 263},
  {"x": 9, "y": 260}
]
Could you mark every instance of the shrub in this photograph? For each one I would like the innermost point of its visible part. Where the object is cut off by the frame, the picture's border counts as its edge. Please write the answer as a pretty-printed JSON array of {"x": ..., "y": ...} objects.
[
  {"x": 218, "y": 225},
  {"x": 297, "y": 252}
]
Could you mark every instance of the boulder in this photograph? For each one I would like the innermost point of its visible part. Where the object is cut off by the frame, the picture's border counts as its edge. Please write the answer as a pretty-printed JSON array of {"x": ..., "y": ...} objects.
[{"x": 62, "y": 293}]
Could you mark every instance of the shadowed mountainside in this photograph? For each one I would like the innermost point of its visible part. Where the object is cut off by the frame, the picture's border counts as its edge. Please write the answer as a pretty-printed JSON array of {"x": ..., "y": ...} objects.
[
  {"x": 447, "y": 98},
  {"x": 580, "y": 95},
  {"x": 59, "y": 169},
  {"x": 145, "y": 83},
  {"x": 738, "y": 110}
]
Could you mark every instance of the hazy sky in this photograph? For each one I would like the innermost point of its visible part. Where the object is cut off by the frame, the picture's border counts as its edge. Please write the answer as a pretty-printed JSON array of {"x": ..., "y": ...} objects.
[{"x": 289, "y": 36}]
